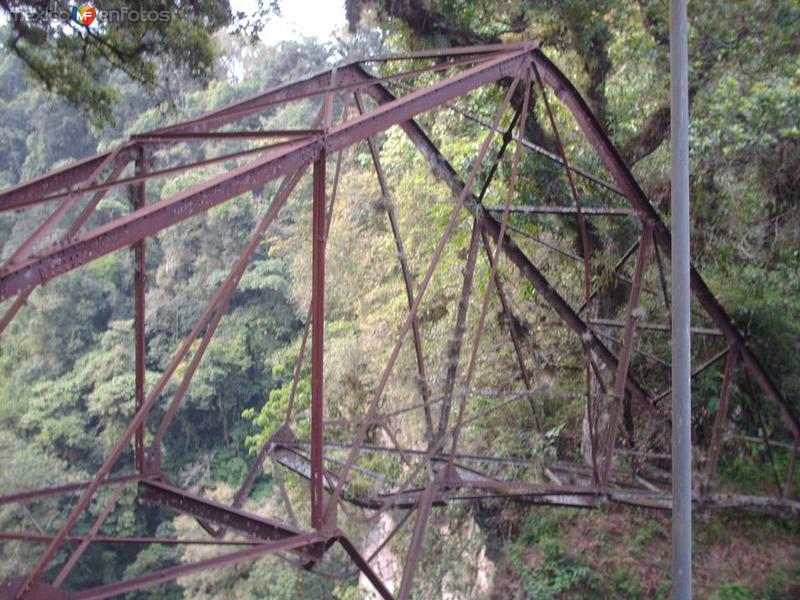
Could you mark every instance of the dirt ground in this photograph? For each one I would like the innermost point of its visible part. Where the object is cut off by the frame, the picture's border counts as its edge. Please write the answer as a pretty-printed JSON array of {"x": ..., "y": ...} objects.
[{"x": 740, "y": 553}]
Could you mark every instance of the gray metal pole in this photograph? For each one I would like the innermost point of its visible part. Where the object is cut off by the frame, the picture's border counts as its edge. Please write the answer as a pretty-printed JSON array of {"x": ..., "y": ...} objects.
[{"x": 681, "y": 303}]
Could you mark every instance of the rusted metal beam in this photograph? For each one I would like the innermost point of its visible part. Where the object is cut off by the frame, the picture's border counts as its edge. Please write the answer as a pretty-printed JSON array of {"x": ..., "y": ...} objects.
[
  {"x": 417, "y": 538},
  {"x": 219, "y": 310},
  {"x": 317, "y": 345},
  {"x": 654, "y": 326},
  {"x": 629, "y": 340},
  {"x": 184, "y": 502},
  {"x": 139, "y": 278},
  {"x": 587, "y": 268},
  {"x": 487, "y": 294},
  {"x": 25, "y": 536},
  {"x": 564, "y": 210},
  {"x": 695, "y": 373},
  {"x": 228, "y": 135},
  {"x": 287, "y": 501},
  {"x": 101, "y": 518},
  {"x": 364, "y": 567},
  {"x": 84, "y": 215},
  {"x": 28, "y": 246},
  {"x": 390, "y": 535},
  {"x": 62, "y": 490},
  {"x": 295, "y": 543},
  {"x": 447, "y": 52},
  {"x": 28, "y": 192},
  {"x": 456, "y": 342},
  {"x": 588, "y": 296},
  {"x": 758, "y": 417},
  {"x": 508, "y": 136},
  {"x": 460, "y": 328},
  {"x": 404, "y": 269}
]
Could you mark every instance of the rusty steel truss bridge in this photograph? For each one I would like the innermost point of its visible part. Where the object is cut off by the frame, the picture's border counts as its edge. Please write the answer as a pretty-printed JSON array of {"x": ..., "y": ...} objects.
[{"x": 628, "y": 464}]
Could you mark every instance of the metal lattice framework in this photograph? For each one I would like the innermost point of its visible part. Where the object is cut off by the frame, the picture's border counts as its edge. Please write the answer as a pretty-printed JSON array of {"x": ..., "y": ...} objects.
[{"x": 435, "y": 472}]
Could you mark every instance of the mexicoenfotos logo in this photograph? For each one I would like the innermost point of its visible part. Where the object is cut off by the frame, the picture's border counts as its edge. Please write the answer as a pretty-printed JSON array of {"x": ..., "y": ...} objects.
[
  {"x": 84, "y": 14},
  {"x": 48, "y": 12}
]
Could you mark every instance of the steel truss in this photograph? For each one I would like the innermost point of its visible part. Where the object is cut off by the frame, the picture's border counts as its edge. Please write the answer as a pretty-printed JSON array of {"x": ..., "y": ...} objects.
[{"x": 435, "y": 473}]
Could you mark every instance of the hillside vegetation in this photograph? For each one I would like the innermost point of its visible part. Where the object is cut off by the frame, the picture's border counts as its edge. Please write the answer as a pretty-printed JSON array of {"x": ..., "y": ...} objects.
[{"x": 67, "y": 366}]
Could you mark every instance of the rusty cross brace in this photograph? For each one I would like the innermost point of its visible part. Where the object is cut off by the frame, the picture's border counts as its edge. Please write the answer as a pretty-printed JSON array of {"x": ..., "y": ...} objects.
[
  {"x": 454, "y": 348},
  {"x": 139, "y": 277},
  {"x": 404, "y": 268},
  {"x": 707, "y": 364},
  {"x": 28, "y": 246},
  {"x": 217, "y": 307},
  {"x": 512, "y": 329},
  {"x": 755, "y": 409},
  {"x": 73, "y": 559},
  {"x": 487, "y": 295},
  {"x": 412, "y": 560},
  {"x": 627, "y": 349},
  {"x": 460, "y": 328}
]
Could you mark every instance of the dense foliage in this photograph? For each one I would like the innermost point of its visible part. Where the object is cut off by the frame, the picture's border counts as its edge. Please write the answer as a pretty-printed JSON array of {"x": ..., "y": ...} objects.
[
  {"x": 66, "y": 362},
  {"x": 140, "y": 38}
]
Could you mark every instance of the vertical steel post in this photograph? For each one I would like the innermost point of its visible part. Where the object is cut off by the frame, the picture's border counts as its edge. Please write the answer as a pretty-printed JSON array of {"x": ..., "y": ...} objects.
[
  {"x": 317, "y": 340},
  {"x": 139, "y": 200},
  {"x": 681, "y": 305}
]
